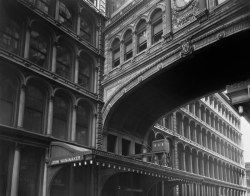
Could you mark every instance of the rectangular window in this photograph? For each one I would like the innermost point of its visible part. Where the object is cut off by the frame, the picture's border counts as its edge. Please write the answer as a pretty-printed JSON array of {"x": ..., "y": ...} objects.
[
  {"x": 30, "y": 174},
  {"x": 125, "y": 147},
  {"x": 111, "y": 143},
  {"x": 138, "y": 148}
]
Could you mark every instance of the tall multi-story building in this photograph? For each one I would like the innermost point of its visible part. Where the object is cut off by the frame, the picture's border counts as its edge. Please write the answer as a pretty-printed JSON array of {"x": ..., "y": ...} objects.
[
  {"x": 206, "y": 140},
  {"x": 247, "y": 165},
  {"x": 61, "y": 61},
  {"x": 51, "y": 59}
]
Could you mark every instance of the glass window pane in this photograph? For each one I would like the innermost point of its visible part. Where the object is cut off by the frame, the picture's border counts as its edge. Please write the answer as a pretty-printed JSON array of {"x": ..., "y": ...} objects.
[
  {"x": 65, "y": 16},
  {"x": 38, "y": 49},
  {"x": 85, "y": 30},
  {"x": 34, "y": 107},
  {"x": 9, "y": 37},
  {"x": 60, "y": 118},
  {"x": 82, "y": 125},
  {"x": 63, "y": 62},
  {"x": 30, "y": 171},
  {"x": 8, "y": 89},
  {"x": 84, "y": 74}
]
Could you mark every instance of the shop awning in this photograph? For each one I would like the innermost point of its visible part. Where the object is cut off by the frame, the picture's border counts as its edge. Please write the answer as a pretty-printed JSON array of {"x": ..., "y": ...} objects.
[{"x": 63, "y": 153}]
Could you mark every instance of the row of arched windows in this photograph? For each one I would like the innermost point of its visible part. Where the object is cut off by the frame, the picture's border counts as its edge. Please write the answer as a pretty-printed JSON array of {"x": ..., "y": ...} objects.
[
  {"x": 137, "y": 40},
  {"x": 37, "y": 107},
  {"x": 222, "y": 109},
  {"x": 199, "y": 163},
  {"x": 66, "y": 13},
  {"x": 39, "y": 45},
  {"x": 215, "y": 121},
  {"x": 202, "y": 136}
]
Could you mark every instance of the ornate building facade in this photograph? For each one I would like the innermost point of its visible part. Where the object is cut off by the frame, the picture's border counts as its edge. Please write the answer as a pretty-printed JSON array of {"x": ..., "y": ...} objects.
[
  {"x": 51, "y": 59},
  {"x": 206, "y": 140},
  {"x": 60, "y": 63}
]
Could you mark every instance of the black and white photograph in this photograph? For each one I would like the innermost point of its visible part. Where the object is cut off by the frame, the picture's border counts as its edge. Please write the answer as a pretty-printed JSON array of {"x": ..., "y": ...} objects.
[{"x": 124, "y": 98}]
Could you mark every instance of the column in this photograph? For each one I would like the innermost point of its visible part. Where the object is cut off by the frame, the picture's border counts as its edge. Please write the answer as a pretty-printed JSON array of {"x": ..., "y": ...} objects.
[
  {"x": 21, "y": 107},
  {"x": 197, "y": 163},
  {"x": 167, "y": 21},
  {"x": 149, "y": 34},
  {"x": 15, "y": 172},
  {"x": 191, "y": 162},
  {"x": 27, "y": 41},
  {"x": 50, "y": 116},
  {"x": 76, "y": 74},
  {"x": 202, "y": 166},
  {"x": 73, "y": 125},
  {"x": 53, "y": 60},
  {"x": 183, "y": 160},
  {"x": 134, "y": 43},
  {"x": 45, "y": 174},
  {"x": 56, "y": 9},
  {"x": 121, "y": 51},
  {"x": 78, "y": 25}
]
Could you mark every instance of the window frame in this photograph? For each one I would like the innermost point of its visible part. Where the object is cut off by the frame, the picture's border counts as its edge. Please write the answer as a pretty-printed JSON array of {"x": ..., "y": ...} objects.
[
  {"x": 141, "y": 31},
  {"x": 155, "y": 22}
]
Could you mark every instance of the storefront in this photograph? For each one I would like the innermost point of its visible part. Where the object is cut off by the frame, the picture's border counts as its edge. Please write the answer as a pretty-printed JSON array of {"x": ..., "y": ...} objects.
[{"x": 74, "y": 170}]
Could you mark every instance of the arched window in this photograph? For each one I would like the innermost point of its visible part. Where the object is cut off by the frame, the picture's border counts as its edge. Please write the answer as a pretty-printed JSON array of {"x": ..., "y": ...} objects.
[
  {"x": 65, "y": 15},
  {"x": 86, "y": 29},
  {"x": 10, "y": 36},
  {"x": 141, "y": 36},
  {"x": 157, "y": 30},
  {"x": 83, "y": 124},
  {"x": 8, "y": 89},
  {"x": 38, "y": 48},
  {"x": 128, "y": 47},
  {"x": 34, "y": 109},
  {"x": 60, "y": 117},
  {"x": 63, "y": 62},
  {"x": 85, "y": 74},
  {"x": 116, "y": 52}
]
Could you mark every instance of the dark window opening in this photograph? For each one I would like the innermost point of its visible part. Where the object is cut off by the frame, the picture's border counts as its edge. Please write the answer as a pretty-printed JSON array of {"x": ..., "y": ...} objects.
[
  {"x": 157, "y": 29},
  {"x": 60, "y": 118},
  {"x": 34, "y": 108},
  {"x": 30, "y": 171},
  {"x": 8, "y": 89},
  {"x": 38, "y": 49},
  {"x": 86, "y": 29},
  {"x": 111, "y": 143},
  {"x": 84, "y": 77},
  {"x": 9, "y": 37},
  {"x": 125, "y": 147},
  {"x": 65, "y": 16},
  {"x": 63, "y": 62},
  {"x": 116, "y": 53},
  {"x": 128, "y": 45},
  {"x": 82, "y": 124},
  {"x": 138, "y": 148}
]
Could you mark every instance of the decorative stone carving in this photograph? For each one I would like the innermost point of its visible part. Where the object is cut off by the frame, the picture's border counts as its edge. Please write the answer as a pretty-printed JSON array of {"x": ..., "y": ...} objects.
[
  {"x": 181, "y": 16},
  {"x": 186, "y": 47}
]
